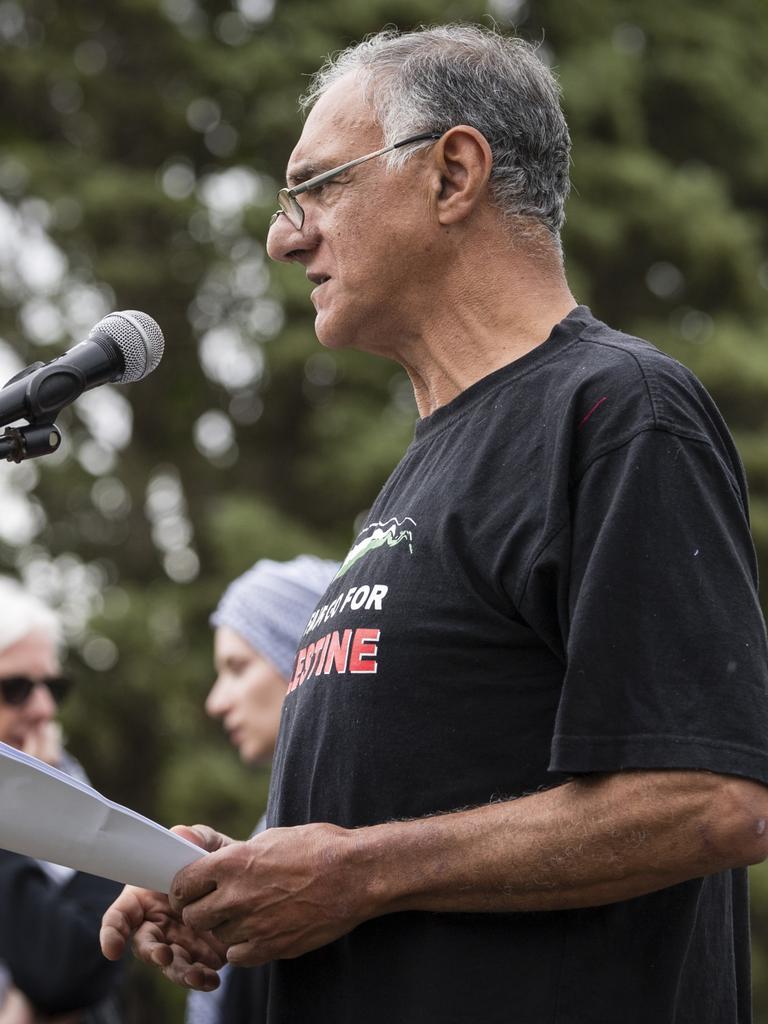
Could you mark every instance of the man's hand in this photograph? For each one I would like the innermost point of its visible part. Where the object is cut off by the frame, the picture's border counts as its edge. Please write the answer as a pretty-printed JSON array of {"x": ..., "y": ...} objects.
[
  {"x": 283, "y": 893},
  {"x": 585, "y": 843},
  {"x": 158, "y": 935}
]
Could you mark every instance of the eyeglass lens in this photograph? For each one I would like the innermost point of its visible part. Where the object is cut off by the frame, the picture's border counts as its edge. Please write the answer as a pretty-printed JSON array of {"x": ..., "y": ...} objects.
[
  {"x": 17, "y": 690},
  {"x": 291, "y": 208}
]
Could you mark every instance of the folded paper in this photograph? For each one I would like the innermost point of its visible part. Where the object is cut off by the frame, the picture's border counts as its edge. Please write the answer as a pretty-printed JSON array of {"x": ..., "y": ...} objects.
[{"x": 46, "y": 814}]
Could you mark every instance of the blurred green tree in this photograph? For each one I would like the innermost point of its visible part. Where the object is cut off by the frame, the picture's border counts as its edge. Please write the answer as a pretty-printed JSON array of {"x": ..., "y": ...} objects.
[{"x": 142, "y": 144}]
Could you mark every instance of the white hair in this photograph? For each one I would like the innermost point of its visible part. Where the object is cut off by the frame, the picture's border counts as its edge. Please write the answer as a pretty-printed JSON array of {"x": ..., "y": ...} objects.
[
  {"x": 436, "y": 78},
  {"x": 22, "y": 613}
]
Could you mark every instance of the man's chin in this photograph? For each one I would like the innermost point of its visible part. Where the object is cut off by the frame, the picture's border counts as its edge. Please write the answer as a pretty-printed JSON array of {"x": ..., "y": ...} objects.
[
  {"x": 359, "y": 336},
  {"x": 329, "y": 334}
]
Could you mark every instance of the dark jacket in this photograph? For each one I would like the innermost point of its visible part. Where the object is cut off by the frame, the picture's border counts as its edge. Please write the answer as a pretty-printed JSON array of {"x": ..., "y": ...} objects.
[{"x": 49, "y": 935}]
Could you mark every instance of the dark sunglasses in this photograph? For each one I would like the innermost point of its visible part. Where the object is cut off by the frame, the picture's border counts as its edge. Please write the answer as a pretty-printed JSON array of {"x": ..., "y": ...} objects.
[{"x": 16, "y": 690}]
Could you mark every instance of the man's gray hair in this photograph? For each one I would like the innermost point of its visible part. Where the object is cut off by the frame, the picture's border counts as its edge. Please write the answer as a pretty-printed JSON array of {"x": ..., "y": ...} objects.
[
  {"x": 436, "y": 78},
  {"x": 22, "y": 613}
]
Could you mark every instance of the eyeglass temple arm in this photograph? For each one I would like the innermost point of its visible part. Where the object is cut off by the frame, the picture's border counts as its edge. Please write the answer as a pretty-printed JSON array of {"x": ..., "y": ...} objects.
[{"x": 320, "y": 178}]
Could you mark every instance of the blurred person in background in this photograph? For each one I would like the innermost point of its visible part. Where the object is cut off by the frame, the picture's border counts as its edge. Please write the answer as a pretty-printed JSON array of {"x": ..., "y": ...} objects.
[
  {"x": 49, "y": 915},
  {"x": 14, "y": 1008},
  {"x": 258, "y": 624}
]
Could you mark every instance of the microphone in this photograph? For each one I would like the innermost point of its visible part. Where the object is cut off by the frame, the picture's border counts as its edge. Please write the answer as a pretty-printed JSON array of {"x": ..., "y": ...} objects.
[{"x": 121, "y": 348}]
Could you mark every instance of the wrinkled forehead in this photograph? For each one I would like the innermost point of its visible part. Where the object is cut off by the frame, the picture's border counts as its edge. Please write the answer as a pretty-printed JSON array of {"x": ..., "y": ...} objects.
[{"x": 339, "y": 127}]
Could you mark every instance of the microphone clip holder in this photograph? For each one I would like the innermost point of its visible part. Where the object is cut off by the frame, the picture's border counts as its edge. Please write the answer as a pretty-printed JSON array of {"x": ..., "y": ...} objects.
[
  {"x": 29, "y": 442},
  {"x": 46, "y": 394}
]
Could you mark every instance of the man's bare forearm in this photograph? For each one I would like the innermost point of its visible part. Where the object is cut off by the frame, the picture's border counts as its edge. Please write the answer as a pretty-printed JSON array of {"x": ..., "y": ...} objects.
[
  {"x": 588, "y": 842},
  {"x": 582, "y": 844}
]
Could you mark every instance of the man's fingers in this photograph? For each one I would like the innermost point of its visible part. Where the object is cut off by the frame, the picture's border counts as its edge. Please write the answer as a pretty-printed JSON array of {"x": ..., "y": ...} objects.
[
  {"x": 246, "y": 954},
  {"x": 112, "y": 942},
  {"x": 205, "y": 949},
  {"x": 120, "y": 921},
  {"x": 181, "y": 969},
  {"x": 157, "y": 954},
  {"x": 231, "y": 931},
  {"x": 161, "y": 940},
  {"x": 196, "y": 880},
  {"x": 202, "y": 835},
  {"x": 151, "y": 945},
  {"x": 191, "y": 883},
  {"x": 155, "y": 945},
  {"x": 205, "y": 915},
  {"x": 190, "y": 965},
  {"x": 202, "y": 978}
]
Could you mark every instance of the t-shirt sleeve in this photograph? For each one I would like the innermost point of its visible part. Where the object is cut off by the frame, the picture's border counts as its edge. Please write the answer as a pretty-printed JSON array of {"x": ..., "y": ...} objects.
[{"x": 665, "y": 645}]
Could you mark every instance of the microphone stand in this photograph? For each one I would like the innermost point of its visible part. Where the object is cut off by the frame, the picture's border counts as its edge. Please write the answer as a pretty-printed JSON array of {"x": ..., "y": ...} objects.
[{"x": 20, "y": 443}]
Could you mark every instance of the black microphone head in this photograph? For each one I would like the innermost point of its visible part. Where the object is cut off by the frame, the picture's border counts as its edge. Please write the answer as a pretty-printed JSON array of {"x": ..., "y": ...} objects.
[{"x": 139, "y": 340}]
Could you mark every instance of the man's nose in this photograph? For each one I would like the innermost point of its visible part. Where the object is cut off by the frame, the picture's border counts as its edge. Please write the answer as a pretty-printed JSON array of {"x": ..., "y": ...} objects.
[{"x": 286, "y": 243}]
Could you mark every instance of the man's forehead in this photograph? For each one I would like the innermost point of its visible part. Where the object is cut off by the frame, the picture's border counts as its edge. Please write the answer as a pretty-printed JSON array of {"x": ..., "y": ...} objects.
[
  {"x": 340, "y": 126},
  {"x": 34, "y": 654}
]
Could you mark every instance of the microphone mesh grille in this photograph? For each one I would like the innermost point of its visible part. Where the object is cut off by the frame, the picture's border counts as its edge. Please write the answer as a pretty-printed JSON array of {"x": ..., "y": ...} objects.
[{"x": 139, "y": 339}]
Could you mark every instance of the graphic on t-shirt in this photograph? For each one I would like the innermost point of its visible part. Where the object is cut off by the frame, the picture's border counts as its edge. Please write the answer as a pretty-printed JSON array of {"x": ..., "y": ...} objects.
[
  {"x": 343, "y": 650},
  {"x": 391, "y": 532}
]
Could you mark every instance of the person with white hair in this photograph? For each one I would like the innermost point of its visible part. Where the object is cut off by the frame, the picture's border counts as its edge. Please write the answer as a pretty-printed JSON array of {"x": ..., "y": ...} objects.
[
  {"x": 30, "y": 636},
  {"x": 49, "y": 915}
]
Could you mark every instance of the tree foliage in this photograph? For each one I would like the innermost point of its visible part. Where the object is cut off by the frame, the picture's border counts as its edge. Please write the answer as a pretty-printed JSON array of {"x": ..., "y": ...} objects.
[{"x": 143, "y": 142}]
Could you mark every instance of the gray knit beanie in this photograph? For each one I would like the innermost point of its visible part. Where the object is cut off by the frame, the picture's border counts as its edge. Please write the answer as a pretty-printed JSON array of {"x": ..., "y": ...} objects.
[{"x": 270, "y": 604}]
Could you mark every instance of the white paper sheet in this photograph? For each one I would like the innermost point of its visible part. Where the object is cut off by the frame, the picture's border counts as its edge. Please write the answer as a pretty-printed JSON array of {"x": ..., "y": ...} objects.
[{"x": 46, "y": 814}]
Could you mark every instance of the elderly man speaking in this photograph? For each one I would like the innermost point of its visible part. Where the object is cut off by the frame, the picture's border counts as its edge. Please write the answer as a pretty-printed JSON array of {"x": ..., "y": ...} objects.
[{"x": 523, "y": 754}]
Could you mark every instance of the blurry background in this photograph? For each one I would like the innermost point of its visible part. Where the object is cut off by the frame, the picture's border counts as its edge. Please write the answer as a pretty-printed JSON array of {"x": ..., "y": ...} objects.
[{"x": 141, "y": 146}]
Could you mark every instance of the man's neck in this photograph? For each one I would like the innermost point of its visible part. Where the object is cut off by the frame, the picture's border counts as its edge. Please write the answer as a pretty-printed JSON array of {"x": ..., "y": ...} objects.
[{"x": 482, "y": 320}]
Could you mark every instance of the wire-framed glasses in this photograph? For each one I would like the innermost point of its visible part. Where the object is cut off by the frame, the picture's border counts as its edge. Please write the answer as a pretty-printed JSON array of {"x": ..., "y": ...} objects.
[{"x": 286, "y": 197}]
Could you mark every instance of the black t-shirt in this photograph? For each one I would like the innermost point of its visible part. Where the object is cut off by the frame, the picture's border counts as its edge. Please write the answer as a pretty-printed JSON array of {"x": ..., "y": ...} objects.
[{"x": 557, "y": 579}]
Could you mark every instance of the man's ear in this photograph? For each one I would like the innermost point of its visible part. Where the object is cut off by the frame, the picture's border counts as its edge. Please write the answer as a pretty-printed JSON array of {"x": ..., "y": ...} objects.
[{"x": 463, "y": 163}]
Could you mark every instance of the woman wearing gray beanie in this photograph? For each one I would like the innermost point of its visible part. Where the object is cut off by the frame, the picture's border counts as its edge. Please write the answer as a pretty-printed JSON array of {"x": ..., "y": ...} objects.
[{"x": 258, "y": 624}]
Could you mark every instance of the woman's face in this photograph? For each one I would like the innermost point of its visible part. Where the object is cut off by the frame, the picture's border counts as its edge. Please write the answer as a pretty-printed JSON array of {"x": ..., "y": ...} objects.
[{"x": 247, "y": 696}]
